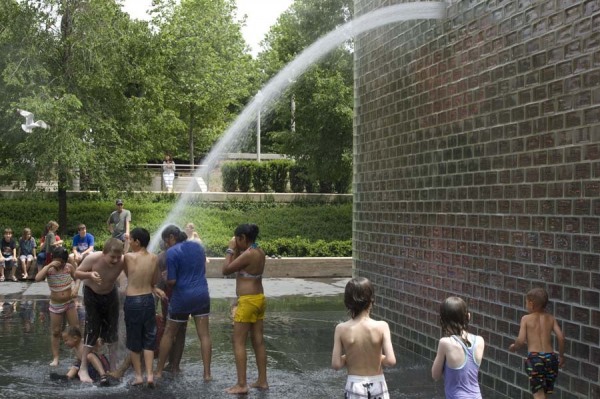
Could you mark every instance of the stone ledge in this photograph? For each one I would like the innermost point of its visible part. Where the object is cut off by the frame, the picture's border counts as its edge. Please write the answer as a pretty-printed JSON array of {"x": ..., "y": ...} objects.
[{"x": 294, "y": 267}]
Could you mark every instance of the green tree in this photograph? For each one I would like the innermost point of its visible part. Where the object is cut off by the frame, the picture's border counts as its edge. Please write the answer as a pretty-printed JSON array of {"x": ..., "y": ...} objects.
[
  {"x": 208, "y": 71},
  {"x": 321, "y": 141},
  {"x": 74, "y": 69}
]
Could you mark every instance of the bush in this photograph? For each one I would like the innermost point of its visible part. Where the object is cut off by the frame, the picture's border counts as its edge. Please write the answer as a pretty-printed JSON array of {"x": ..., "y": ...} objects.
[
  {"x": 261, "y": 176},
  {"x": 244, "y": 175},
  {"x": 297, "y": 178},
  {"x": 229, "y": 175},
  {"x": 279, "y": 174}
]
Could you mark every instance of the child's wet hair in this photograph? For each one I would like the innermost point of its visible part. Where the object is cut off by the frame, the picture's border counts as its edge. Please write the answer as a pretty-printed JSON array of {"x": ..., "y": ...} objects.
[
  {"x": 142, "y": 235},
  {"x": 358, "y": 295},
  {"x": 539, "y": 297},
  {"x": 248, "y": 230},
  {"x": 112, "y": 245},
  {"x": 60, "y": 253},
  {"x": 172, "y": 230},
  {"x": 454, "y": 317},
  {"x": 73, "y": 331}
]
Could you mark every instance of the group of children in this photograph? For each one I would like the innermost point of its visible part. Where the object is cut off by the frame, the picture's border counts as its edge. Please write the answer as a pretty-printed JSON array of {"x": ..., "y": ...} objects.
[
  {"x": 361, "y": 344},
  {"x": 20, "y": 260},
  {"x": 364, "y": 346},
  {"x": 21, "y": 256}
]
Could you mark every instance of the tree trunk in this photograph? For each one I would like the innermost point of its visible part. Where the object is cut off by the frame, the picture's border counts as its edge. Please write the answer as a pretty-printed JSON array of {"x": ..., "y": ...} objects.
[
  {"x": 191, "y": 136},
  {"x": 62, "y": 198}
]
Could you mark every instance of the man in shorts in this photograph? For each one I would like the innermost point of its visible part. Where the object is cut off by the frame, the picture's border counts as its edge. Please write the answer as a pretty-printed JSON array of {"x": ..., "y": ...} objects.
[
  {"x": 119, "y": 223},
  {"x": 99, "y": 271}
]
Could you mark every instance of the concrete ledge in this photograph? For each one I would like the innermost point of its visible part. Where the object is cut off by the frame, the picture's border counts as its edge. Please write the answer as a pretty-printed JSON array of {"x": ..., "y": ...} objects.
[{"x": 294, "y": 267}]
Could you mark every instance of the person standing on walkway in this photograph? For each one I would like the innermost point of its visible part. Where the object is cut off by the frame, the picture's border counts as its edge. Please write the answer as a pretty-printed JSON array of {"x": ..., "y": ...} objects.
[
  {"x": 100, "y": 271},
  {"x": 168, "y": 168},
  {"x": 245, "y": 257},
  {"x": 186, "y": 274},
  {"x": 119, "y": 223}
]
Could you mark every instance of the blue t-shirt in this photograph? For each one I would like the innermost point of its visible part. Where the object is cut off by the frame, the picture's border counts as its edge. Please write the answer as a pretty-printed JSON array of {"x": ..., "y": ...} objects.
[
  {"x": 83, "y": 243},
  {"x": 186, "y": 263}
]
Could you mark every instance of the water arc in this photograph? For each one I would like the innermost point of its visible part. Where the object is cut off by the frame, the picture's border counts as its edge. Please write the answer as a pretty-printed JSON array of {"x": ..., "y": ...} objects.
[{"x": 275, "y": 87}]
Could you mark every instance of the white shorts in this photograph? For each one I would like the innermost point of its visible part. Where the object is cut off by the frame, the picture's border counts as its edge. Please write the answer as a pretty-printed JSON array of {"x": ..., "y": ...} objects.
[
  {"x": 358, "y": 387},
  {"x": 26, "y": 257}
]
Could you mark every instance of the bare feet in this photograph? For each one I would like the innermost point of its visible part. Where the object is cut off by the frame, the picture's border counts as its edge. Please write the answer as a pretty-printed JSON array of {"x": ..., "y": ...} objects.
[
  {"x": 84, "y": 376},
  {"x": 237, "y": 390},
  {"x": 158, "y": 375},
  {"x": 136, "y": 382},
  {"x": 54, "y": 362},
  {"x": 207, "y": 378},
  {"x": 260, "y": 385}
]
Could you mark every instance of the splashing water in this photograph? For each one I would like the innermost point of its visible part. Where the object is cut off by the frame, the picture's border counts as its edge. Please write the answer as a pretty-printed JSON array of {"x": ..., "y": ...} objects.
[{"x": 276, "y": 86}]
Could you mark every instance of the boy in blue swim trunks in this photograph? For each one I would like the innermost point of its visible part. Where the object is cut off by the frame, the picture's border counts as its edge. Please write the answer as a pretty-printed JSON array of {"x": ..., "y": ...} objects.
[
  {"x": 141, "y": 268},
  {"x": 542, "y": 363}
]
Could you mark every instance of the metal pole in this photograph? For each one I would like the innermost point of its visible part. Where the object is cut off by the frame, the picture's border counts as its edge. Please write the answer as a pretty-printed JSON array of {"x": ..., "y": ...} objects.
[{"x": 258, "y": 137}]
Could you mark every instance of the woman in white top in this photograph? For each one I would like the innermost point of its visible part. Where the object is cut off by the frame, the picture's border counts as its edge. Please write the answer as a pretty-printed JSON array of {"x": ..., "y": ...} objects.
[{"x": 168, "y": 172}]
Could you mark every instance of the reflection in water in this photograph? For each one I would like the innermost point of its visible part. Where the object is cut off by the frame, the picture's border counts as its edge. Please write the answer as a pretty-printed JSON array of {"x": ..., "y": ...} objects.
[{"x": 298, "y": 335}]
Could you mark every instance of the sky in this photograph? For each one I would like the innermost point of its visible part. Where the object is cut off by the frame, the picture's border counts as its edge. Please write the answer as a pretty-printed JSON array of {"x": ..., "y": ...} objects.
[{"x": 262, "y": 14}]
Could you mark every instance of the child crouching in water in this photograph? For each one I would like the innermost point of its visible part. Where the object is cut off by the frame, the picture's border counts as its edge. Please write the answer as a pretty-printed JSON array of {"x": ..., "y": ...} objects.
[
  {"x": 459, "y": 353},
  {"x": 97, "y": 363},
  {"x": 362, "y": 344}
]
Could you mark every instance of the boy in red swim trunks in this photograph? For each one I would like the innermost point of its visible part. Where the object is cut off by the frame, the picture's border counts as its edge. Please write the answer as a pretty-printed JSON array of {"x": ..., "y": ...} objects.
[{"x": 542, "y": 363}]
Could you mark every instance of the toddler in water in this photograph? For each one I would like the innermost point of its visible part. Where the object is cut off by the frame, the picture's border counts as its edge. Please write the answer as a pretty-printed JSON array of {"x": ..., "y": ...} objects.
[
  {"x": 459, "y": 353},
  {"x": 97, "y": 363},
  {"x": 362, "y": 344},
  {"x": 542, "y": 362}
]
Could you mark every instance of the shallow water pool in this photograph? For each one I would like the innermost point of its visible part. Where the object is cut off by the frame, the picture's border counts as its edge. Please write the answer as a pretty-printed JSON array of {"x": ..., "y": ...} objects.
[{"x": 298, "y": 335}]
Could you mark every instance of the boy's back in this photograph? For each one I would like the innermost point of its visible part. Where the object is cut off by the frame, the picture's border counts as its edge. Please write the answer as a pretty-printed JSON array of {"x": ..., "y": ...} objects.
[
  {"x": 362, "y": 341},
  {"x": 539, "y": 327},
  {"x": 142, "y": 272}
]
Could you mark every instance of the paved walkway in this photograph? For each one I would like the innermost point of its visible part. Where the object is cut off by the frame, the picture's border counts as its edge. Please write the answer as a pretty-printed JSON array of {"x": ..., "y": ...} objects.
[{"x": 219, "y": 288}]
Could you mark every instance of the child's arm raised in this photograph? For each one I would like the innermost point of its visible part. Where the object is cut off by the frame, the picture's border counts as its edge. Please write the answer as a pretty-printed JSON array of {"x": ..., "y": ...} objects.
[
  {"x": 522, "y": 338},
  {"x": 338, "y": 360},
  {"x": 437, "y": 369}
]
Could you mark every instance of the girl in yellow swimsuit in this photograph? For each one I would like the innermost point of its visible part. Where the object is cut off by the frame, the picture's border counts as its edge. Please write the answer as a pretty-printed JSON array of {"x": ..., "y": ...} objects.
[
  {"x": 60, "y": 276},
  {"x": 245, "y": 257}
]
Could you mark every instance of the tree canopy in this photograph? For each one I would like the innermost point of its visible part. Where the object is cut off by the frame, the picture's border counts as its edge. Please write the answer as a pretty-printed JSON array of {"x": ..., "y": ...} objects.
[
  {"x": 115, "y": 92},
  {"x": 313, "y": 123}
]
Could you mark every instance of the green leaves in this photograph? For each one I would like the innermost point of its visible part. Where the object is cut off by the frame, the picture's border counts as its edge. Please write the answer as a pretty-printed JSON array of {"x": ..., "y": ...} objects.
[{"x": 323, "y": 96}]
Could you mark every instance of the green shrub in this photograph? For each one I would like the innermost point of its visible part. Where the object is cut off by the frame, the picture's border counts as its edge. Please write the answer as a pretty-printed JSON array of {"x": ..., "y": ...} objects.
[
  {"x": 244, "y": 175},
  {"x": 261, "y": 177},
  {"x": 279, "y": 174},
  {"x": 229, "y": 176}
]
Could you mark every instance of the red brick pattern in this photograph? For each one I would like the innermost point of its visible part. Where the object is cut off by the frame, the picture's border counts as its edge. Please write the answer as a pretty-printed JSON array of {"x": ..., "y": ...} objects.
[{"x": 477, "y": 173}]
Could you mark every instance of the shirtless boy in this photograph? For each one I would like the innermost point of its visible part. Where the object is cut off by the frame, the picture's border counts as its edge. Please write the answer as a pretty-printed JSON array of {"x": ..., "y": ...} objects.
[
  {"x": 142, "y": 272},
  {"x": 362, "y": 344},
  {"x": 99, "y": 271},
  {"x": 542, "y": 363}
]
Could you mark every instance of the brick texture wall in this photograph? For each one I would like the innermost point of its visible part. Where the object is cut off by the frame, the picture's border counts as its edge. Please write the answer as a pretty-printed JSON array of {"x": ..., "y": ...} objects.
[{"x": 477, "y": 166}]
